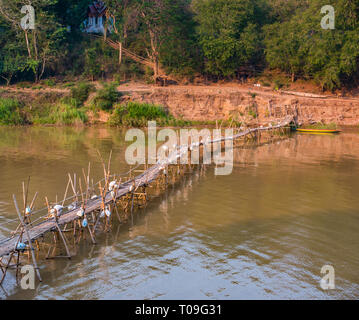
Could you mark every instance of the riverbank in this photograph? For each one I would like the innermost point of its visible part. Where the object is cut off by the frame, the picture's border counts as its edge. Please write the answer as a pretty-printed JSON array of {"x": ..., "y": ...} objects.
[
  {"x": 247, "y": 103},
  {"x": 186, "y": 105}
]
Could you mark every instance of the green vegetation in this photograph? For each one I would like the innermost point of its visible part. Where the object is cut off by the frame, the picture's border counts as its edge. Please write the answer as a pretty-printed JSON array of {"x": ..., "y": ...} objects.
[
  {"x": 67, "y": 115},
  {"x": 146, "y": 111},
  {"x": 301, "y": 48},
  {"x": 10, "y": 112},
  {"x": 212, "y": 39},
  {"x": 50, "y": 82},
  {"x": 229, "y": 38},
  {"x": 59, "y": 110},
  {"x": 322, "y": 126},
  {"x": 60, "y": 114},
  {"x": 106, "y": 97},
  {"x": 135, "y": 114},
  {"x": 252, "y": 112},
  {"x": 80, "y": 93}
]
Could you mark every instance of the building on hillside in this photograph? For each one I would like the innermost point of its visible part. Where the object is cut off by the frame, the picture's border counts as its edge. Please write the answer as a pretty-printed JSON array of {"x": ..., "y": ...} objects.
[{"x": 96, "y": 17}]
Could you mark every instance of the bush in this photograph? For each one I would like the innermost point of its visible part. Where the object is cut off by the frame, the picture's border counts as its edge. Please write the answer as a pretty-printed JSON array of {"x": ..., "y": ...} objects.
[
  {"x": 23, "y": 85},
  {"x": 10, "y": 112},
  {"x": 145, "y": 110},
  {"x": 322, "y": 126},
  {"x": 278, "y": 84},
  {"x": 68, "y": 115},
  {"x": 138, "y": 114},
  {"x": 107, "y": 97},
  {"x": 68, "y": 85},
  {"x": 60, "y": 114},
  {"x": 81, "y": 92},
  {"x": 265, "y": 83},
  {"x": 252, "y": 111},
  {"x": 50, "y": 82}
]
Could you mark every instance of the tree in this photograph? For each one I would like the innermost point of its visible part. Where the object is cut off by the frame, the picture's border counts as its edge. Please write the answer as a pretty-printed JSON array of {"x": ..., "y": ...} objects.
[
  {"x": 283, "y": 48},
  {"x": 11, "y": 62},
  {"x": 45, "y": 43},
  {"x": 70, "y": 13},
  {"x": 11, "y": 55},
  {"x": 151, "y": 30},
  {"x": 229, "y": 33},
  {"x": 92, "y": 65},
  {"x": 121, "y": 16},
  {"x": 301, "y": 46},
  {"x": 165, "y": 25},
  {"x": 284, "y": 10}
]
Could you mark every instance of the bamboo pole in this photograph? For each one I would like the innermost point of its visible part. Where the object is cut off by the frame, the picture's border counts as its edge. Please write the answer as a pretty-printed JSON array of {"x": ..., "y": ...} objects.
[
  {"x": 61, "y": 235},
  {"x": 73, "y": 188},
  {"x": 84, "y": 205},
  {"x": 65, "y": 195},
  {"x": 28, "y": 238}
]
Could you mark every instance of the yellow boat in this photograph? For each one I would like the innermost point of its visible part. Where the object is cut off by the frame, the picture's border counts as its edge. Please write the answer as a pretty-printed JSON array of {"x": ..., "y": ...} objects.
[{"x": 318, "y": 130}]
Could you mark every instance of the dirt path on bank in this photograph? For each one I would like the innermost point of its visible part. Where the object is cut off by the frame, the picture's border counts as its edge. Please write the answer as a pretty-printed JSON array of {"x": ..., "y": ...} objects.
[{"x": 34, "y": 91}]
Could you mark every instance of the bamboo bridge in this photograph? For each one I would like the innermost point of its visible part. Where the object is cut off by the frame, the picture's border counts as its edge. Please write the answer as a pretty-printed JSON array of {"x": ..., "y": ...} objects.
[{"x": 86, "y": 212}]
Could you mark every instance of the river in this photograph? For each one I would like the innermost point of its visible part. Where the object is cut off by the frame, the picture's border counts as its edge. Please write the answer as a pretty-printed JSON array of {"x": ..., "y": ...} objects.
[{"x": 264, "y": 232}]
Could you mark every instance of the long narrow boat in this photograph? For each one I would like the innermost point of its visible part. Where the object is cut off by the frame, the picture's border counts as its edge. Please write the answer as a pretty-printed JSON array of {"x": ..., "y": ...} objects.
[{"x": 318, "y": 130}]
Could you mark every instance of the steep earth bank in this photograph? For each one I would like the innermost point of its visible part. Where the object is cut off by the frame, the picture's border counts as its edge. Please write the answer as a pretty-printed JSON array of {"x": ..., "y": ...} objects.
[{"x": 252, "y": 105}]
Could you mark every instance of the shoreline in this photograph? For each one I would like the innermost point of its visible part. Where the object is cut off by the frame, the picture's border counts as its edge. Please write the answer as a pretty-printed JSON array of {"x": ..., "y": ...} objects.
[{"x": 206, "y": 103}]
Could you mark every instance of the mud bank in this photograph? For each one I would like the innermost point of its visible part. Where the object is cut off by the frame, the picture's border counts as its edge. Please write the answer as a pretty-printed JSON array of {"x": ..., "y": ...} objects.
[
  {"x": 210, "y": 103},
  {"x": 215, "y": 103}
]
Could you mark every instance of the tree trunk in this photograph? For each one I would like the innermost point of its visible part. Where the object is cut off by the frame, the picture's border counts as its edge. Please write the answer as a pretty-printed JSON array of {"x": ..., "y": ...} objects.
[
  {"x": 8, "y": 80},
  {"x": 35, "y": 45},
  {"x": 120, "y": 53},
  {"x": 42, "y": 69},
  {"x": 156, "y": 69},
  {"x": 155, "y": 66},
  {"x": 27, "y": 44}
]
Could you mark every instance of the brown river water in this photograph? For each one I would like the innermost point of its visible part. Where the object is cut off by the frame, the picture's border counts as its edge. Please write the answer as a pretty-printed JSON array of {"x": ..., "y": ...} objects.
[{"x": 263, "y": 232}]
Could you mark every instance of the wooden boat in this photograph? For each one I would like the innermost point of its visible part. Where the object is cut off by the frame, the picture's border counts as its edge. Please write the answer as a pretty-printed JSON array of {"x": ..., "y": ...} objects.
[{"x": 318, "y": 130}]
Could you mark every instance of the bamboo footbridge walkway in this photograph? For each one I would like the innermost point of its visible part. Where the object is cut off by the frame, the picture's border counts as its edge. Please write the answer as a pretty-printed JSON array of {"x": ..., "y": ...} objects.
[{"x": 86, "y": 213}]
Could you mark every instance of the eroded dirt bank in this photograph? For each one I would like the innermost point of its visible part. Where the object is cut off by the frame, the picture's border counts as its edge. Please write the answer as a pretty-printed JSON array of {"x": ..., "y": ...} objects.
[
  {"x": 212, "y": 103},
  {"x": 217, "y": 102}
]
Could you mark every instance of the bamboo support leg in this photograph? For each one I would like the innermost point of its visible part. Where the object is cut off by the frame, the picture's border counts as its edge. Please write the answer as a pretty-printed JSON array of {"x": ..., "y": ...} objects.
[
  {"x": 1, "y": 265},
  {"x": 97, "y": 220},
  {"x": 91, "y": 234},
  {"x": 17, "y": 265},
  {"x": 64, "y": 240},
  {"x": 6, "y": 268}
]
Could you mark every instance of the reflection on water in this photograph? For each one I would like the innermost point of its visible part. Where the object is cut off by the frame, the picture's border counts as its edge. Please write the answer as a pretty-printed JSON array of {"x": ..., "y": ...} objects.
[{"x": 263, "y": 232}]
